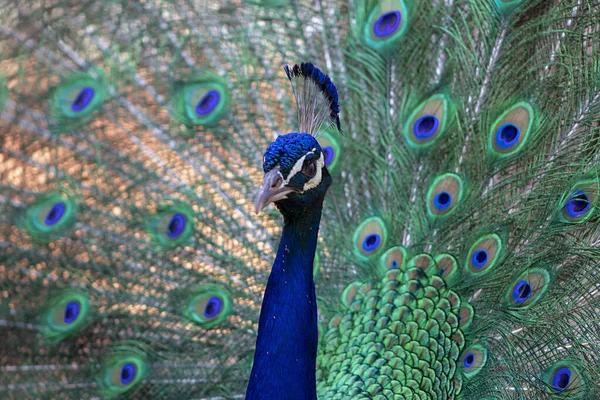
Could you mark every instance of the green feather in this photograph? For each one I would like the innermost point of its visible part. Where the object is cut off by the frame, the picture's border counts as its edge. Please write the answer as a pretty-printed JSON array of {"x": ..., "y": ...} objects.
[
  {"x": 580, "y": 202},
  {"x": 75, "y": 100},
  {"x": 484, "y": 254},
  {"x": 377, "y": 31},
  {"x": 208, "y": 306},
  {"x": 393, "y": 258},
  {"x": 122, "y": 370},
  {"x": 4, "y": 92},
  {"x": 512, "y": 130},
  {"x": 427, "y": 123},
  {"x": 200, "y": 100},
  {"x": 507, "y": 6},
  {"x": 528, "y": 288},
  {"x": 50, "y": 216},
  {"x": 444, "y": 195},
  {"x": 65, "y": 314},
  {"x": 330, "y": 143},
  {"x": 569, "y": 385},
  {"x": 172, "y": 225},
  {"x": 369, "y": 237},
  {"x": 473, "y": 360}
]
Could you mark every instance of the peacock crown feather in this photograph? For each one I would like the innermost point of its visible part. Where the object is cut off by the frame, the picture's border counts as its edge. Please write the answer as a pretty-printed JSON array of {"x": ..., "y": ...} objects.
[{"x": 316, "y": 97}]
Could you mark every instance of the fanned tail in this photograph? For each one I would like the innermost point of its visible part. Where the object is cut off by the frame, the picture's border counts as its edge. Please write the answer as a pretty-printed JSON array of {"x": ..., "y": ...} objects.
[
  {"x": 316, "y": 96},
  {"x": 459, "y": 246},
  {"x": 473, "y": 157}
]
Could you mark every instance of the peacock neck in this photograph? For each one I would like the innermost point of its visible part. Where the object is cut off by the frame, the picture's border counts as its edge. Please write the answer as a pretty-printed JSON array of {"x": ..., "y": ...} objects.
[{"x": 286, "y": 346}]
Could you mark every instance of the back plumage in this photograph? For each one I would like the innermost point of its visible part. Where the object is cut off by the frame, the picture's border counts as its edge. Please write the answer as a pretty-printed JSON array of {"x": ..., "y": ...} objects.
[{"x": 459, "y": 242}]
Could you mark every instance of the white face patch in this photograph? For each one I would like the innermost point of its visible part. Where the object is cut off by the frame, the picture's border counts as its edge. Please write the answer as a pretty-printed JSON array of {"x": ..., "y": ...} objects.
[{"x": 315, "y": 180}]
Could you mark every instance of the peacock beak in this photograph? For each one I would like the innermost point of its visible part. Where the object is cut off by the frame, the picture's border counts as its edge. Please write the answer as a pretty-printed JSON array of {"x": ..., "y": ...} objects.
[{"x": 272, "y": 190}]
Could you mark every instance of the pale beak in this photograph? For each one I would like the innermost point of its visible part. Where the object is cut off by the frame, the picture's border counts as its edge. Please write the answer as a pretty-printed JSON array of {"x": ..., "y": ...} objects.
[{"x": 272, "y": 190}]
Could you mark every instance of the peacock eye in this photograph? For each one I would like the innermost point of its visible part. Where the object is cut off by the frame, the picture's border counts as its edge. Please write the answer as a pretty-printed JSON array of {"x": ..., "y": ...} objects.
[{"x": 310, "y": 169}]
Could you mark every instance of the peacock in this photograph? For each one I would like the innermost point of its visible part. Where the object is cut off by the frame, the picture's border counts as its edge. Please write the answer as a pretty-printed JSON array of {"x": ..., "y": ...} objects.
[{"x": 292, "y": 199}]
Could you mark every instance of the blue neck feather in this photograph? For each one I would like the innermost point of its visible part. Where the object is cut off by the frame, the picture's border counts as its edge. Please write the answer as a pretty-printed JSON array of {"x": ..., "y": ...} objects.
[{"x": 286, "y": 347}]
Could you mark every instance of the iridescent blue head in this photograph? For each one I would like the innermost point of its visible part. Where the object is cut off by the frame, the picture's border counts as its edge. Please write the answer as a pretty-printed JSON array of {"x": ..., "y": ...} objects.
[
  {"x": 286, "y": 150},
  {"x": 295, "y": 173},
  {"x": 296, "y": 178}
]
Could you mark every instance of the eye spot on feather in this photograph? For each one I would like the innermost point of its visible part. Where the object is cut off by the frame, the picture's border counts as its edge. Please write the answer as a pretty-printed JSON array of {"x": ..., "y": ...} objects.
[
  {"x": 473, "y": 360},
  {"x": 209, "y": 305},
  {"x": 122, "y": 371},
  {"x": 369, "y": 237},
  {"x": 447, "y": 266},
  {"x": 393, "y": 258},
  {"x": 426, "y": 126},
  {"x": 469, "y": 360},
  {"x": 176, "y": 226},
  {"x": 564, "y": 379},
  {"x": 580, "y": 202},
  {"x": 200, "y": 101},
  {"x": 208, "y": 103},
  {"x": 444, "y": 195},
  {"x": 83, "y": 99},
  {"x": 71, "y": 312},
  {"x": 427, "y": 122},
  {"x": 371, "y": 242},
  {"x": 387, "y": 24},
  {"x": 484, "y": 253},
  {"x": 68, "y": 311},
  {"x": 65, "y": 314},
  {"x": 479, "y": 258},
  {"x": 49, "y": 216},
  {"x": 171, "y": 226},
  {"x": 77, "y": 97},
  {"x": 528, "y": 288},
  {"x": 213, "y": 307},
  {"x": 384, "y": 24},
  {"x": 507, "y": 135},
  {"x": 330, "y": 149},
  {"x": 128, "y": 373},
  {"x": 522, "y": 292},
  {"x": 512, "y": 130},
  {"x": 442, "y": 200},
  {"x": 561, "y": 379},
  {"x": 57, "y": 211}
]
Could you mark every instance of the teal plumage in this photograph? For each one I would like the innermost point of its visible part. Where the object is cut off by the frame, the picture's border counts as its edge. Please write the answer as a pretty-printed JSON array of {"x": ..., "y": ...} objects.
[{"x": 458, "y": 246}]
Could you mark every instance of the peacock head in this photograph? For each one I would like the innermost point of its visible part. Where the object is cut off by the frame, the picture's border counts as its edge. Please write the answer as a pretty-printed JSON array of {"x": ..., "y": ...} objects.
[{"x": 296, "y": 178}]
